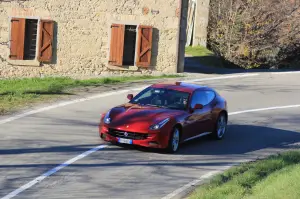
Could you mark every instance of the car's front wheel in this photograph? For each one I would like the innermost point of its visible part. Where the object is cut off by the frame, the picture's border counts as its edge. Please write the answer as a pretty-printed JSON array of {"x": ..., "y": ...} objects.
[
  {"x": 174, "y": 141},
  {"x": 220, "y": 127}
]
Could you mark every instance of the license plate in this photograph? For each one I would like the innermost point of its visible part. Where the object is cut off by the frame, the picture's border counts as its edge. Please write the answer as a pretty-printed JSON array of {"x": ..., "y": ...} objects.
[{"x": 124, "y": 141}]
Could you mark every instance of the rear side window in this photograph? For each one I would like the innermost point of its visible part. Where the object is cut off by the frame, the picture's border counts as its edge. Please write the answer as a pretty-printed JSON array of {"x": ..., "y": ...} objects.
[
  {"x": 210, "y": 96},
  {"x": 202, "y": 97},
  {"x": 199, "y": 97}
]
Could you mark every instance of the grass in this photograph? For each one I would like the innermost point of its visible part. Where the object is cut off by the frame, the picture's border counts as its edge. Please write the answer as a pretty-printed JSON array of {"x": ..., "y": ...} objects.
[
  {"x": 276, "y": 177},
  {"x": 203, "y": 56},
  {"x": 198, "y": 51},
  {"x": 18, "y": 93}
]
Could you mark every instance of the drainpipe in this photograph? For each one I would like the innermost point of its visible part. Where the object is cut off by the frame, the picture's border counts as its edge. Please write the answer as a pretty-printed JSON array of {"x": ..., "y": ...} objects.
[{"x": 181, "y": 36}]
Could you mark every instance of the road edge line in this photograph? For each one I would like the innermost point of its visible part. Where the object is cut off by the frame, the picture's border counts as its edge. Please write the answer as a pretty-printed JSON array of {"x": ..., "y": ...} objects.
[
  {"x": 191, "y": 185},
  {"x": 52, "y": 171},
  {"x": 65, "y": 103},
  {"x": 86, "y": 153}
]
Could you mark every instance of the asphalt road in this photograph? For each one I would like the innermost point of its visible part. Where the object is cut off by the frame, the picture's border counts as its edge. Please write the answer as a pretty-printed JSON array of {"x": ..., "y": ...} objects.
[{"x": 37, "y": 143}]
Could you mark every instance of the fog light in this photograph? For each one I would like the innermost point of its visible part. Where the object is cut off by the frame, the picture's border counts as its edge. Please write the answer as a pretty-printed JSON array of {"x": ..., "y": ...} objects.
[
  {"x": 102, "y": 135},
  {"x": 153, "y": 143}
]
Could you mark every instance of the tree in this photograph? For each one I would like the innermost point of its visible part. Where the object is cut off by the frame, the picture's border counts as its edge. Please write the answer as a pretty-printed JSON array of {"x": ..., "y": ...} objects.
[{"x": 256, "y": 33}]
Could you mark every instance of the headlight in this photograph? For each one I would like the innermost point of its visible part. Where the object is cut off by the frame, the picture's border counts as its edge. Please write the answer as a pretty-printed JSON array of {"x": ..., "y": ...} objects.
[
  {"x": 160, "y": 124},
  {"x": 106, "y": 118}
]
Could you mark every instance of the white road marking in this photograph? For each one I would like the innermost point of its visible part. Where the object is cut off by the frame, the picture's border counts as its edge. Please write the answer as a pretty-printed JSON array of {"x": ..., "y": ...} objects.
[
  {"x": 10, "y": 119},
  {"x": 222, "y": 77},
  {"x": 176, "y": 192},
  {"x": 285, "y": 73},
  {"x": 265, "y": 109},
  {"x": 198, "y": 181},
  {"x": 52, "y": 171},
  {"x": 212, "y": 173},
  {"x": 193, "y": 183},
  {"x": 67, "y": 163}
]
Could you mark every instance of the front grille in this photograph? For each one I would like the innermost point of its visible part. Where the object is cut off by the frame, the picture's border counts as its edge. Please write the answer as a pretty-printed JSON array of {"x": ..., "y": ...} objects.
[{"x": 130, "y": 135}]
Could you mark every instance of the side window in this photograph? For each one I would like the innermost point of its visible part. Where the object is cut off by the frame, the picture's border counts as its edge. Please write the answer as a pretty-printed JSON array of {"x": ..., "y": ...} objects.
[
  {"x": 130, "y": 45},
  {"x": 210, "y": 96},
  {"x": 199, "y": 97},
  {"x": 25, "y": 43}
]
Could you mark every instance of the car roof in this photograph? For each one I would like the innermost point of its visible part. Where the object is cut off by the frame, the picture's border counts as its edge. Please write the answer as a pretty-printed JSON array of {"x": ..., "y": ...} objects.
[{"x": 181, "y": 86}]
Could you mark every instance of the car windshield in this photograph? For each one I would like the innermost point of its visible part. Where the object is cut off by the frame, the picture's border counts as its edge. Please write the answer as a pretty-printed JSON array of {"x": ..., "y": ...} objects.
[{"x": 161, "y": 97}]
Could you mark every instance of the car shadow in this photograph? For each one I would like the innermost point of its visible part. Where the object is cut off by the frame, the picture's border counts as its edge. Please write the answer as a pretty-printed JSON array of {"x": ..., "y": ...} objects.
[
  {"x": 238, "y": 144},
  {"x": 239, "y": 139}
]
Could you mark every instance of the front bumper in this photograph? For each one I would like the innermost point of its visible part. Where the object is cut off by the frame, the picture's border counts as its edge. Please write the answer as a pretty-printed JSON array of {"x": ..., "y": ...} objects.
[{"x": 157, "y": 139}]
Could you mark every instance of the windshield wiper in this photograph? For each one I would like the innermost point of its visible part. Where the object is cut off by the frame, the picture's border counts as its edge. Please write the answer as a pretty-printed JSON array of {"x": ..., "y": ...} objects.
[
  {"x": 156, "y": 105},
  {"x": 150, "y": 105}
]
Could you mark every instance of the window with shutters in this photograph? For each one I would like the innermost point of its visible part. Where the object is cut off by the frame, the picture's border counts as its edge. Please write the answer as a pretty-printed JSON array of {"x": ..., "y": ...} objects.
[
  {"x": 31, "y": 39},
  {"x": 130, "y": 45},
  {"x": 144, "y": 46}
]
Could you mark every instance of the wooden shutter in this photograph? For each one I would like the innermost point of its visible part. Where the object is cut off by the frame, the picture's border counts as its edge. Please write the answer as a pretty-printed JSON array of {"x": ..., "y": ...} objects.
[
  {"x": 144, "y": 46},
  {"x": 45, "y": 49},
  {"x": 17, "y": 39},
  {"x": 117, "y": 44}
]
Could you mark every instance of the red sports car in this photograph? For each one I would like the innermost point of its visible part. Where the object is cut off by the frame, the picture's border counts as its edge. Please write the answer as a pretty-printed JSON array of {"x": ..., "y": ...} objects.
[{"x": 165, "y": 115}]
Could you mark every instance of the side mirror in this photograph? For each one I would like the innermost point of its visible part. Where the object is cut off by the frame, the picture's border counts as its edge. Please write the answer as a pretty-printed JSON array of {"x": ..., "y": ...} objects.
[
  {"x": 129, "y": 96},
  {"x": 198, "y": 106}
]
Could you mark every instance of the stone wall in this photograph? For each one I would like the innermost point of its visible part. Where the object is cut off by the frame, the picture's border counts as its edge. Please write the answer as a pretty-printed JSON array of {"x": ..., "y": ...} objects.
[{"x": 82, "y": 34}]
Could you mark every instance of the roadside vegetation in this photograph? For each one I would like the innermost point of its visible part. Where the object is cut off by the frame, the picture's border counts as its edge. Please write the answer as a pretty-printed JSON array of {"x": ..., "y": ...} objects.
[
  {"x": 19, "y": 93},
  {"x": 255, "y": 34},
  {"x": 198, "y": 51},
  {"x": 276, "y": 177},
  {"x": 203, "y": 56}
]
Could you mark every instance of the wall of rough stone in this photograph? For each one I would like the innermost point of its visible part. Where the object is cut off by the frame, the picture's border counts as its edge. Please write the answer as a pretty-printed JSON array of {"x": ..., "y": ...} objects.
[
  {"x": 82, "y": 33},
  {"x": 201, "y": 23}
]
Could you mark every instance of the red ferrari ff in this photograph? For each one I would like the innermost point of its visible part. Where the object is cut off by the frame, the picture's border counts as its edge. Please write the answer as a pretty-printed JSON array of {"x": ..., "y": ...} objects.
[{"x": 165, "y": 115}]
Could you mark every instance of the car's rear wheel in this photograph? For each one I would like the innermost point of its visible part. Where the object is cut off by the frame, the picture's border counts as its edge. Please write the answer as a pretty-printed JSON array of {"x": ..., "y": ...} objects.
[
  {"x": 220, "y": 127},
  {"x": 174, "y": 141}
]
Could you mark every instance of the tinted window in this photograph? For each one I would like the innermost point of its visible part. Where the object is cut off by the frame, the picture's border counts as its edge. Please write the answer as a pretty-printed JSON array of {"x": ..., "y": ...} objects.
[
  {"x": 210, "y": 96},
  {"x": 162, "y": 97},
  {"x": 202, "y": 97},
  {"x": 199, "y": 97}
]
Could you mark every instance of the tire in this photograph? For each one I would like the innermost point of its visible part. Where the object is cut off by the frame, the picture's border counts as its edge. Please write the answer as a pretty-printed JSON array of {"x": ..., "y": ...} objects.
[
  {"x": 101, "y": 136},
  {"x": 220, "y": 127},
  {"x": 174, "y": 141}
]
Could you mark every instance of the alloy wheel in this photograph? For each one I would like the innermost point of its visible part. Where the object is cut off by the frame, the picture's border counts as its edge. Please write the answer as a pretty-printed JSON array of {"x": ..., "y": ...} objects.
[
  {"x": 222, "y": 125},
  {"x": 175, "y": 139}
]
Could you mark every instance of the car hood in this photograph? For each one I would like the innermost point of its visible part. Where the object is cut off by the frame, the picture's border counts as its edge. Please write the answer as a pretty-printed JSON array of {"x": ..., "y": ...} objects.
[{"x": 133, "y": 117}]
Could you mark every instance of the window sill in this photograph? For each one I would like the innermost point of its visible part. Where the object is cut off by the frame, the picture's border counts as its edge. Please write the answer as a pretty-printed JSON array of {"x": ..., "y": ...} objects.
[
  {"x": 123, "y": 68},
  {"x": 24, "y": 62}
]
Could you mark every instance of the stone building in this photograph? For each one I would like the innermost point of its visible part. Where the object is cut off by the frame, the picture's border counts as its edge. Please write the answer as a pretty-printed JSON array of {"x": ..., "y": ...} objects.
[
  {"x": 197, "y": 22},
  {"x": 86, "y": 38}
]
